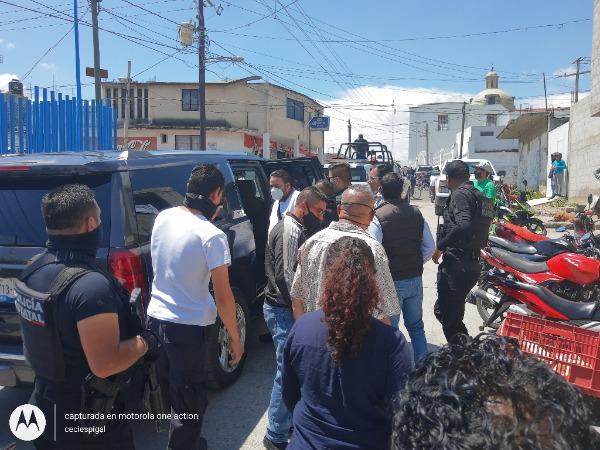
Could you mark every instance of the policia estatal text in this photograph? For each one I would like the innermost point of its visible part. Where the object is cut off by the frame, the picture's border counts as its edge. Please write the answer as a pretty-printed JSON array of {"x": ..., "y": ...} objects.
[
  {"x": 79, "y": 334},
  {"x": 467, "y": 218}
]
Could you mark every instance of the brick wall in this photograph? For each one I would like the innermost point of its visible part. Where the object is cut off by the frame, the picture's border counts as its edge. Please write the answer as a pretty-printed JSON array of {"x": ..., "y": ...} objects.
[{"x": 584, "y": 152}]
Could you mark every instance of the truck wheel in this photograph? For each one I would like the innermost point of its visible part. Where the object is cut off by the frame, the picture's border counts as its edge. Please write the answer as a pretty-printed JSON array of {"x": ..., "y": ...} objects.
[{"x": 220, "y": 373}]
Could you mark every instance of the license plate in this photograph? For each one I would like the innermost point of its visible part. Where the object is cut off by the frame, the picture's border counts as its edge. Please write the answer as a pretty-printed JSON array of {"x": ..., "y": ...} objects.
[{"x": 7, "y": 290}]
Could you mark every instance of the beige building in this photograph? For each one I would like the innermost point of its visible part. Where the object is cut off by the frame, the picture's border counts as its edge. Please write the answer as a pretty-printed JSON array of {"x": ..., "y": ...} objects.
[{"x": 239, "y": 113}]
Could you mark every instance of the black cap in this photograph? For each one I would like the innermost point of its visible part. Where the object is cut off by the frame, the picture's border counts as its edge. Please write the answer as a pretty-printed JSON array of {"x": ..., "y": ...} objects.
[{"x": 457, "y": 169}]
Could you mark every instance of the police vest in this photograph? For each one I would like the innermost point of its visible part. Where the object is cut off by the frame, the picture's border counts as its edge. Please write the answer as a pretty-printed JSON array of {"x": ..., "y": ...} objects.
[
  {"x": 37, "y": 311},
  {"x": 484, "y": 215}
]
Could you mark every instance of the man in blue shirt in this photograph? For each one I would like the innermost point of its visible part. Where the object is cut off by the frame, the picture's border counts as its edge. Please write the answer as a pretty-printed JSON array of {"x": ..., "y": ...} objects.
[
  {"x": 558, "y": 175},
  {"x": 408, "y": 242}
]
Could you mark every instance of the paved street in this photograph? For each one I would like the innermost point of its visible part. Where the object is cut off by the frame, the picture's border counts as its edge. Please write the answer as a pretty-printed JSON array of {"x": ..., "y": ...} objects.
[{"x": 236, "y": 417}]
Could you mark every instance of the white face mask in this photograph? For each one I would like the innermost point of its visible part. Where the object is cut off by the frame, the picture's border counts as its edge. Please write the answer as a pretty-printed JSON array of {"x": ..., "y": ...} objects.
[{"x": 276, "y": 193}]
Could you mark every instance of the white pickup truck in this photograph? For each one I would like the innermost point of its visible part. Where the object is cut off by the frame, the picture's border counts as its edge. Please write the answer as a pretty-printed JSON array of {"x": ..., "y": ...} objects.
[{"x": 441, "y": 184}]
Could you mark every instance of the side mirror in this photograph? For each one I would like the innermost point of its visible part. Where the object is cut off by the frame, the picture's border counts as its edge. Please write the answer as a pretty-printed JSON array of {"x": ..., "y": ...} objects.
[
  {"x": 502, "y": 173},
  {"x": 590, "y": 199}
]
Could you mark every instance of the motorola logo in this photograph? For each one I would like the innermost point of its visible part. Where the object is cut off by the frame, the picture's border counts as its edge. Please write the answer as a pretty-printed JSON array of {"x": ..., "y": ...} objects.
[{"x": 27, "y": 422}]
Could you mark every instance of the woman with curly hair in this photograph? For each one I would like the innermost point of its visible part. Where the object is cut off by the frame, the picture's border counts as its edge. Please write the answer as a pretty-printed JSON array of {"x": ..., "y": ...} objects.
[{"x": 342, "y": 366}]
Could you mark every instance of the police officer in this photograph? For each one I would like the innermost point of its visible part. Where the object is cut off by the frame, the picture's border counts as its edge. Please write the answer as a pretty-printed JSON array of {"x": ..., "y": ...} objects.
[
  {"x": 467, "y": 218},
  {"x": 77, "y": 326}
]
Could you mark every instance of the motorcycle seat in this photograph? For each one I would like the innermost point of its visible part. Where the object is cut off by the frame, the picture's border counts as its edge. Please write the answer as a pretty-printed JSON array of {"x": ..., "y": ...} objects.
[
  {"x": 572, "y": 310},
  {"x": 519, "y": 262},
  {"x": 512, "y": 246}
]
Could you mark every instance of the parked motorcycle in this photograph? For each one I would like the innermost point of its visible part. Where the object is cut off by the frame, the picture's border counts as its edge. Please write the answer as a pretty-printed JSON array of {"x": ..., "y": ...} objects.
[
  {"x": 532, "y": 299},
  {"x": 574, "y": 276}
]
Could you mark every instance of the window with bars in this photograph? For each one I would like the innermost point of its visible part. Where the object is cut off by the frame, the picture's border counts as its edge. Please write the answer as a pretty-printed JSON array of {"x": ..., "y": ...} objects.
[
  {"x": 442, "y": 122},
  {"x": 131, "y": 104},
  {"x": 189, "y": 100},
  {"x": 187, "y": 142},
  {"x": 139, "y": 103},
  {"x": 123, "y": 100},
  {"x": 491, "y": 119},
  {"x": 145, "y": 103},
  {"x": 295, "y": 110}
]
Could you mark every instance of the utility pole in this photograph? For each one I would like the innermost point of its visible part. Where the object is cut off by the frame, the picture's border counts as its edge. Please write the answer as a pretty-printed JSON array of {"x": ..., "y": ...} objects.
[
  {"x": 77, "y": 63},
  {"x": 462, "y": 133},
  {"x": 202, "y": 73},
  {"x": 577, "y": 73},
  {"x": 349, "y": 131},
  {"x": 94, "y": 5},
  {"x": 426, "y": 143},
  {"x": 127, "y": 109},
  {"x": 545, "y": 93}
]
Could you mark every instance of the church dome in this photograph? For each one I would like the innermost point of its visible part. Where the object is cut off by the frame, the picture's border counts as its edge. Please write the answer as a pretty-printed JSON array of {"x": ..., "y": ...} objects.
[{"x": 492, "y": 94}]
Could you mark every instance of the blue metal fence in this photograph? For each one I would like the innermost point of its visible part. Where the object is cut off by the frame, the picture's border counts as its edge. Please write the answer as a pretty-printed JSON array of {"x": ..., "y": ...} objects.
[{"x": 55, "y": 124}]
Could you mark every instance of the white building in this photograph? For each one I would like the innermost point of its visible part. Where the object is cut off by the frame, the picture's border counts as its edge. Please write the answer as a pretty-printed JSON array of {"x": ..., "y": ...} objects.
[
  {"x": 482, "y": 143},
  {"x": 433, "y": 127},
  {"x": 165, "y": 115}
]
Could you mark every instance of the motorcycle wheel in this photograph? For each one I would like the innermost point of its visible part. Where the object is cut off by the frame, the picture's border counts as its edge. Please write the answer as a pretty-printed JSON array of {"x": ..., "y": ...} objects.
[
  {"x": 536, "y": 226},
  {"x": 485, "y": 307}
]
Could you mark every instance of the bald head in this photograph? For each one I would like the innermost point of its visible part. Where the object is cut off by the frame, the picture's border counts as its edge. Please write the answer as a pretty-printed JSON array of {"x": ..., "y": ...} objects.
[{"x": 357, "y": 206}]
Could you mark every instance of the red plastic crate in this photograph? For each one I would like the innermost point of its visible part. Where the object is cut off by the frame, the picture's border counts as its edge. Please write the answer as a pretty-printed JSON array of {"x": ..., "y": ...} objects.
[{"x": 570, "y": 351}]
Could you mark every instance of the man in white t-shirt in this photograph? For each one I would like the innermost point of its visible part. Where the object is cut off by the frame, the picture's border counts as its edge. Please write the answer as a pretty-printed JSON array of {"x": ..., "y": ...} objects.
[
  {"x": 284, "y": 195},
  {"x": 187, "y": 251}
]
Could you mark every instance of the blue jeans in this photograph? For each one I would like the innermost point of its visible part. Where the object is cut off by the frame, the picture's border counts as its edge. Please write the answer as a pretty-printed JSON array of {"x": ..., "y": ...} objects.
[
  {"x": 410, "y": 297},
  {"x": 279, "y": 322}
]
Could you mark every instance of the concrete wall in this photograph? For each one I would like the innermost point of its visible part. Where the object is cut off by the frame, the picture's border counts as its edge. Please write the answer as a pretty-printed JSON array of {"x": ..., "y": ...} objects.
[
  {"x": 502, "y": 153},
  {"x": 595, "y": 108},
  {"x": 558, "y": 141},
  {"x": 152, "y": 139},
  {"x": 584, "y": 151},
  {"x": 532, "y": 161}
]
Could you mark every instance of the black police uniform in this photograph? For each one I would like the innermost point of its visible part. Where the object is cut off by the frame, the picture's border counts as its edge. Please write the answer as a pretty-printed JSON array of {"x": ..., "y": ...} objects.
[
  {"x": 91, "y": 294},
  {"x": 467, "y": 218}
]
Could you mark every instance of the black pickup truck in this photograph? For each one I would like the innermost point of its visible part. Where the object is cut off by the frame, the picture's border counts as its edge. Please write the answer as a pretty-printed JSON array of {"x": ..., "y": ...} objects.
[{"x": 131, "y": 189}]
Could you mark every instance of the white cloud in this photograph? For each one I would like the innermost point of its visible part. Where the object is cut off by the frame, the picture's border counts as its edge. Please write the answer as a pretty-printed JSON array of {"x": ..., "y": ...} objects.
[
  {"x": 10, "y": 45},
  {"x": 561, "y": 72},
  {"x": 371, "y": 113},
  {"x": 554, "y": 100},
  {"x": 48, "y": 66},
  {"x": 5, "y": 78}
]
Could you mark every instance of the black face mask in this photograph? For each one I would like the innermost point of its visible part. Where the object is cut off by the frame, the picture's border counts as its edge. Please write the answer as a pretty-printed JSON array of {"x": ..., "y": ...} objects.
[
  {"x": 87, "y": 243},
  {"x": 201, "y": 203},
  {"x": 311, "y": 223}
]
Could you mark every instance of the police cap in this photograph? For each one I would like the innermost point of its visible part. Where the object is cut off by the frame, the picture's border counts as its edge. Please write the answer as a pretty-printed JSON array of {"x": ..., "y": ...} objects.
[{"x": 457, "y": 169}]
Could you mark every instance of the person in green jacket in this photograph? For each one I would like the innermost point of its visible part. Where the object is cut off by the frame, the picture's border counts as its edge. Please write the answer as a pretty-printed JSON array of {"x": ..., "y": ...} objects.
[{"x": 483, "y": 182}]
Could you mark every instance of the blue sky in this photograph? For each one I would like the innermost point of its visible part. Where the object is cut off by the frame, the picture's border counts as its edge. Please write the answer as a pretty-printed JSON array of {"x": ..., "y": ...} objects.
[{"x": 388, "y": 55}]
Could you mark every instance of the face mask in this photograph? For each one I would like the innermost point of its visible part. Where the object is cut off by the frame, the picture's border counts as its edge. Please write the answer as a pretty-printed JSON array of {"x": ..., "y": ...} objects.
[
  {"x": 312, "y": 224},
  {"x": 276, "y": 193},
  {"x": 87, "y": 243},
  {"x": 202, "y": 204}
]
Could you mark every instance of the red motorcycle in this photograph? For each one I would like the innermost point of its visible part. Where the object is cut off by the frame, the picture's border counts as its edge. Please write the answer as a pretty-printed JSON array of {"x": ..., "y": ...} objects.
[
  {"x": 574, "y": 277},
  {"x": 532, "y": 299},
  {"x": 517, "y": 233}
]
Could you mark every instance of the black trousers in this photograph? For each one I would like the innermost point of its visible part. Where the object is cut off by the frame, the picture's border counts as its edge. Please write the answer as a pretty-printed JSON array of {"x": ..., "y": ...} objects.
[
  {"x": 455, "y": 279},
  {"x": 67, "y": 399},
  {"x": 182, "y": 378}
]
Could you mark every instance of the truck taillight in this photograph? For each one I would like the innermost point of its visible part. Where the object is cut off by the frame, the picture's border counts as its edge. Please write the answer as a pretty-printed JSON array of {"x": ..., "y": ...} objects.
[{"x": 128, "y": 268}]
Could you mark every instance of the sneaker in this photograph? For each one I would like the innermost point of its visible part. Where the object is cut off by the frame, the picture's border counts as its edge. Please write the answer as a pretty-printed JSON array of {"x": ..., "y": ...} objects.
[{"x": 270, "y": 445}]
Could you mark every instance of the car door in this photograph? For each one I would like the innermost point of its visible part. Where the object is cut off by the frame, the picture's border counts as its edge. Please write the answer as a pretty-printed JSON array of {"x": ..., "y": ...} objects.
[{"x": 304, "y": 171}]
